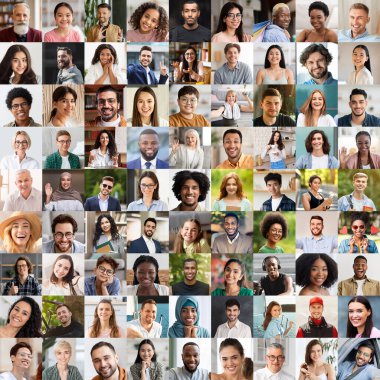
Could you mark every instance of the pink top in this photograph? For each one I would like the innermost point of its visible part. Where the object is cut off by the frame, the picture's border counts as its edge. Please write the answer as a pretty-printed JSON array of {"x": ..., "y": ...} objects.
[
  {"x": 136, "y": 36},
  {"x": 52, "y": 36},
  {"x": 375, "y": 333},
  {"x": 220, "y": 37}
]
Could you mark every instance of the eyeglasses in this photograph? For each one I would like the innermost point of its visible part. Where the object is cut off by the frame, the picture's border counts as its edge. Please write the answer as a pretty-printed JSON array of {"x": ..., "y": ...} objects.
[
  {"x": 23, "y": 142},
  {"x": 144, "y": 186},
  {"x": 365, "y": 354},
  {"x": 19, "y": 105},
  {"x": 60, "y": 235},
  {"x": 361, "y": 227},
  {"x": 109, "y": 187},
  {"x": 63, "y": 142},
  {"x": 102, "y": 102},
  {"x": 273, "y": 358},
  {"x": 24, "y": 355},
  {"x": 231, "y": 16},
  {"x": 188, "y": 100},
  {"x": 22, "y": 266},
  {"x": 108, "y": 272}
]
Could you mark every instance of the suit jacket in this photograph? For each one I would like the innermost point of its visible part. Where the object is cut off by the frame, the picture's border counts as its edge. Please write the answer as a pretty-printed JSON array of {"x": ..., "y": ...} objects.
[
  {"x": 8, "y": 35},
  {"x": 139, "y": 246},
  {"x": 221, "y": 245},
  {"x": 92, "y": 204},
  {"x": 136, "y": 164},
  {"x": 136, "y": 74}
]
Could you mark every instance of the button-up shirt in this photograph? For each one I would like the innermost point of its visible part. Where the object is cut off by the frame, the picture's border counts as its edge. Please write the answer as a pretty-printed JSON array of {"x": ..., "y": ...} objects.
[
  {"x": 13, "y": 162},
  {"x": 139, "y": 205},
  {"x": 245, "y": 162},
  {"x": 346, "y": 36},
  {"x": 181, "y": 373},
  {"x": 240, "y": 74},
  {"x": 369, "y": 372},
  {"x": 240, "y": 330},
  {"x": 150, "y": 244},
  {"x": 90, "y": 287},
  {"x": 16, "y": 202},
  {"x": 103, "y": 204},
  {"x": 154, "y": 332},
  {"x": 30, "y": 287},
  {"x": 349, "y": 287},
  {"x": 153, "y": 164},
  {"x": 324, "y": 244},
  {"x": 266, "y": 374},
  {"x": 344, "y": 246},
  {"x": 329, "y": 80},
  {"x": 344, "y": 203}
]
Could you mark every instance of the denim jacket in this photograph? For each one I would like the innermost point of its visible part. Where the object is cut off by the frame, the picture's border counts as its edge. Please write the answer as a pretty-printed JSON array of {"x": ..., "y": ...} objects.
[{"x": 305, "y": 162}]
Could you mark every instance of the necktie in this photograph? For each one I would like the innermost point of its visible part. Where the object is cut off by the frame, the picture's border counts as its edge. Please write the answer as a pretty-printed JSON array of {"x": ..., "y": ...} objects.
[{"x": 148, "y": 165}]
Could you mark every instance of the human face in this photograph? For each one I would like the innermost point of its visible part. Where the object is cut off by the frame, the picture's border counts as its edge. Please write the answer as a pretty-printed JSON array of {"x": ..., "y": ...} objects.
[
  {"x": 231, "y": 226},
  {"x": 149, "y": 229},
  {"x": 105, "y": 57},
  {"x": 363, "y": 143},
  {"x": 149, "y": 20},
  {"x": 22, "y": 359},
  {"x": 274, "y": 56},
  {"x": 20, "y": 110},
  {"x": 271, "y": 266},
  {"x": 274, "y": 188},
  {"x": 316, "y": 353},
  {"x": 106, "y": 188},
  {"x": 233, "y": 19},
  {"x": 190, "y": 55},
  {"x": 360, "y": 183},
  {"x": 359, "y": 57},
  {"x": 65, "y": 182},
  {"x": 231, "y": 186},
  {"x": 191, "y": 140},
  {"x": 316, "y": 65},
  {"x": 275, "y": 359},
  {"x": 19, "y": 63},
  {"x": 232, "y": 56},
  {"x": 189, "y": 232},
  {"x": 358, "y": 314},
  {"x": 63, "y": 17},
  {"x": 191, "y": 358},
  {"x": 315, "y": 184},
  {"x": 149, "y": 145},
  {"x": 232, "y": 313},
  {"x": 146, "y": 352},
  {"x": 316, "y": 310},
  {"x": 146, "y": 274},
  {"x": 358, "y": 19},
  {"x": 187, "y": 104},
  {"x": 61, "y": 268},
  {"x": 282, "y": 18},
  {"x": 271, "y": 106},
  {"x": 24, "y": 184},
  {"x": 358, "y": 228},
  {"x": 232, "y": 145},
  {"x": 104, "y": 139},
  {"x": 22, "y": 268},
  {"x": 147, "y": 187},
  {"x": 190, "y": 14},
  {"x": 233, "y": 274},
  {"x": 104, "y": 361},
  {"x": 317, "y": 142},
  {"x": 190, "y": 270},
  {"x": 21, "y": 14},
  {"x": 317, "y": 19},
  {"x": 275, "y": 233},
  {"x": 276, "y": 137},
  {"x": 63, "y": 356},
  {"x": 65, "y": 106},
  {"x": 318, "y": 272},
  {"x": 145, "y": 104},
  {"x": 360, "y": 268},
  {"x": 63, "y": 237},
  {"x": 275, "y": 311},
  {"x": 231, "y": 98},
  {"x": 64, "y": 60},
  {"x": 189, "y": 315},
  {"x": 190, "y": 193},
  {"x": 316, "y": 227},
  {"x": 232, "y": 361},
  {"x": 21, "y": 144},
  {"x": 105, "y": 225},
  {"x": 103, "y": 15},
  {"x": 363, "y": 356},
  {"x": 108, "y": 105},
  {"x": 104, "y": 311},
  {"x": 148, "y": 313},
  {"x": 20, "y": 314},
  {"x": 21, "y": 232},
  {"x": 63, "y": 143},
  {"x": 317, "y": 102},
  {"x": 104, "y": 271},
  {"x": 145, "y": 58},
  {"x": 358, "y": 104}
]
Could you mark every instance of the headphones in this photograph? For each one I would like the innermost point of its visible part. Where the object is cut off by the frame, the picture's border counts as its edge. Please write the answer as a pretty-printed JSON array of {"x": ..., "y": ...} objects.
[{"x": 263, "y": 265}]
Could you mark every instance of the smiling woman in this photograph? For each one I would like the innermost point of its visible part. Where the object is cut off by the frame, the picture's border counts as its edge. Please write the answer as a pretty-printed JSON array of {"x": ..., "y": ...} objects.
[{"x": 63, "y": 111}]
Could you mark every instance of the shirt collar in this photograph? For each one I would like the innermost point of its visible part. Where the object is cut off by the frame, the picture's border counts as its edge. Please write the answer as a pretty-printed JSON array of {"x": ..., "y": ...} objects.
[
  {"x": 101, "y": 200},
  {"x": 237, "y": 67},
  {"x": 143, "y": 161},
  {"x": 237, "y": 325},
  {"x": 239, "y": 163}
]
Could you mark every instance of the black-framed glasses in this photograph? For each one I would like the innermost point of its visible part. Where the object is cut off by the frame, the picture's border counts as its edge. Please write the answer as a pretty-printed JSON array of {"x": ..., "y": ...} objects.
[
  {"x": 108, "y": 272},
  {"x": 60, "y": 235},
  {"x": 273, "y": 358},
  {"x": 23, "y": 142},
  {"x": 231, "y": 16},
  {"x": 103, "y": 102},
  {"x": 19, "y": 105}
]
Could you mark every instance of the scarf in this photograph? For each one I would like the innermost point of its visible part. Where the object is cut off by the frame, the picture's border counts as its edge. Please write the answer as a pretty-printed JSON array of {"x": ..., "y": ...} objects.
[
  {"x": 178, "y": 326},
  {"x": 61, "y": 194}
]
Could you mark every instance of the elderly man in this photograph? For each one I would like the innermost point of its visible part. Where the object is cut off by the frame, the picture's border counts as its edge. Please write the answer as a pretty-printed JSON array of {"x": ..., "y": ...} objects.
[{"x": 277, "y": 30}]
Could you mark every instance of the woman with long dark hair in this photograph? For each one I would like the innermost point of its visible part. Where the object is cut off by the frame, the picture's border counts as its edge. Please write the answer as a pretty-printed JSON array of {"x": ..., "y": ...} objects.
[
  {"x": 362, "y": 64},
  {"x": 276, "y": 151},
  {"x": 106, "y": 232},
  {"x": 63, "y": 111},
  {"x": 189, "y": 69},
  {"x": 275, "y": 325},
  {"x": 104, "y": 153}
]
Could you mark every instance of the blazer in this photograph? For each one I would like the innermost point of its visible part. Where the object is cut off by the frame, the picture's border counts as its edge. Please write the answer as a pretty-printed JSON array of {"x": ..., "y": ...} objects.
[
  {"x": 8, "y": 35},
  {"x": 139, "y": 246},
  {"x": 136, "y": 164},
  {"x": 136, "y": 74},
  {"x": 92, "y": 204}
]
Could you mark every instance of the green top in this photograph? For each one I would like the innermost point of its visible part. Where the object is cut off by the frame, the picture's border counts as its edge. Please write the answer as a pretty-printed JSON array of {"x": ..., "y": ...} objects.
[
  {"x": 242, "y": 292},
  {"x": 205, "y": 248},
  {"x": 54, "y": 161},
  {"x": 266, "y": 249}
]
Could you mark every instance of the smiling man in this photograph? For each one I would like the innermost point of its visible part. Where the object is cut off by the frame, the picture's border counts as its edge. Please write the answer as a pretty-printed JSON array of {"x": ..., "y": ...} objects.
[
  {"x": 146, "y": 243},
  {"x": 68, "y": 73},
  {"x": 277, "y": 30},
  {"x": 21, "y": 358},
  {"x": 277, "y": 201},
  {"x": 275, "y": 283}
]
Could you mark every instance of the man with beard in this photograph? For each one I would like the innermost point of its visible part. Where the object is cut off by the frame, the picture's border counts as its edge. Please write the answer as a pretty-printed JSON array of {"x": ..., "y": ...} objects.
[
  {"x": 190, "y": 286},
  {"x": 358, "y": 117},
  {"x": 316, "y": 326},
  {"x": 145, "y": 326},
  {"x": 275, "y": 283},
  {"x": 105, "y": 362},
  {"x": 359, "y": 284},
  {"x": 68, "y": 73},
  {"x": 149, "y": 143},
  {"x": 232, "y": 241},
  {"x": 190, "y": 188},
  {"x": 277, "y": 30},
  {"x": 316, "y": 59},
  {"x": 20, "y": 31},
  {"x": 103, "y": 201},
  {"x": 64, "y": 227},
  {"x": 146, "y": 243},
  {"x": 190, "y": 371},
  {"x": 69, "y": 328},
  {"x": 141, "y": 73},
  {"x": 190, "y": 31},
  {"x": 317, "y": 243},
  {"x": 108, "y": 105},
  {"x": 21, "y": 358},
  {"x": 277, "y": 201},
  {"x": 361, "y": 367},
  {"x": 233, "y": 328}
]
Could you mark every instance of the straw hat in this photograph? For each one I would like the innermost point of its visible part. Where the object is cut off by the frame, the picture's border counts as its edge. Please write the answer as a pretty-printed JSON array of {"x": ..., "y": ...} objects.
[{"x": 32, "y": 218}]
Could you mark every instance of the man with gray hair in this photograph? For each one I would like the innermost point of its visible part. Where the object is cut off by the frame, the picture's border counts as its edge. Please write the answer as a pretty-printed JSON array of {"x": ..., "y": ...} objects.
[
  {"x": 275, "y": 358},
  {"x": 26, "y": 197},
  {"x": 276, "y": 31}
]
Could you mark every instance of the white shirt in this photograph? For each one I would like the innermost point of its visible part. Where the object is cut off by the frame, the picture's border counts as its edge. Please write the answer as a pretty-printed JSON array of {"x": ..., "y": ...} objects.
[
  {"x": 8, "y": 376},
  {"x": 323, "y": 121},
  {"x": 359, "y": 291},
  {"x": 275, "y": 203},
  {"x": 240, "y": 330},
  {"x": 162, "y": 290},
  {"x": 65, "y": 162},
  {"x": 101, "y": 160},
  {"x": 320, "y": 162},
  {"x": 275, "y": 154},
  {"x": 150, "y": 244},
  {"x": 16, "y": 202},
  {"x": 155, "y": 331},
  {"x": 265, "y": 374},
  {"x": 152, "y": 166},
  {"x": 103, "y": 204},
  {"x": 13, "y": 162},
  {"x": 64, "y": 205}
]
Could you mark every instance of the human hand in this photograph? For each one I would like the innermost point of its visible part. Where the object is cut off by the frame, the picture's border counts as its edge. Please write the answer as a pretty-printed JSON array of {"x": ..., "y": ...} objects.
[
  {"x": 163, "y": 69},
  {"x": 14, "y": 289},
  {"x": 175, "y": 145},
  {"x": 48, "y": 190},
  {"x": 100, "y": 34},
  {"x": 194, "y": 331},
  {"x": 343, "y": 155},
  {"x": 188, "y": 330},
  {"x": 365, "y": 245},
  {"x": 120, "y": 35},
  {"x": 145, "y": 365}
]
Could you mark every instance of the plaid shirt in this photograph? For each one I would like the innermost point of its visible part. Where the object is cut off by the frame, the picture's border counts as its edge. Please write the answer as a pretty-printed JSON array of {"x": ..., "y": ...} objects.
[
  {"x": 286, "y": 204},
  {"x": 31, "y": 287}
]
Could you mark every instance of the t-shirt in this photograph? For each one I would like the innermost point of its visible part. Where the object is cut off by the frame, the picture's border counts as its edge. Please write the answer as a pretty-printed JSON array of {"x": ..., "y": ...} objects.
[
  {"x": 180, "y": 34},
  {"x": 74, "y": 330},
  {"x": 198, "y": 289},
  {"x": 281, "y": 121},
  {"x": 177, "y": 120}
]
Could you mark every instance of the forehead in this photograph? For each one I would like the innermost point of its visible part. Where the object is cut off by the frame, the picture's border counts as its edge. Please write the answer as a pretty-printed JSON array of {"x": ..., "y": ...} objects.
[
  {"x": 232, "y": 136},
  {"x": 188, "y": 7},
  {"x": 63, "y": 9},
  {"x": 102, "y": 351},
  {"x": 316, "y": 56},
  {"x": 148, "y": 136},
  {"x": 62, "y": 52},
  {"x": 358, "y": 98},
  {"x": 21, "y": 8},
  {"x": 358, "y": 12},
  {"x": 282, "y": 10},
  {"x": 230, "y": 219},
  {"x": 19, "y": 99},
  {"x": 317, "y": 136},
  {"x": 190, "y": 182},
  {"x": 64, "y": 262},
  {"x": 271, "y": 99},
  {"x": 232, "y": 49},
  {"x": 107, "y": 95},
  {"x": 63, "y": 227},
  {"x": 20, "y": 221},
  {"x": 190, "y": 264},
  {"x": 360, "y": 261},
  {"x": 149, "y": 307},
  {"x": 105, "y": 264},
  {"x": 271, "y": 261},
  {"x": 191, "y": 350},
  {"x": 104, "y": 9},
  {"x": 150, "y": 224},
  {"x": 146, "y": 52},
  {"x": 63, "y": 309},
  {"x": 23, "y": 176},
  {"x": 274, "y": 351}
]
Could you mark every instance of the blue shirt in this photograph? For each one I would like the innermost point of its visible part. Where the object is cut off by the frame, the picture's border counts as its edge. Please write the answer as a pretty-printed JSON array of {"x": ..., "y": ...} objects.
[
  {"x": 344, "y": 246},
  {"x": 369, "y": 121},
  {"x": 329, "y": 80},
  {"x": 139, "y": 205},
  {"x": 274, "y": 328},
  {"x": 273, "y": 33},
  {"x": 344, "y": 203},
  {"x": 90, "y": 288},
  {"x": 325, "y": 244},
  {"x": 345, "y": 370},
  {"x": 346, "y": 36}
]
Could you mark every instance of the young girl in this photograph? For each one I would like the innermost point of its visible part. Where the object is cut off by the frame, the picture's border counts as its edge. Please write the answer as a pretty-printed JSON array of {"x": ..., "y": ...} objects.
[
  {"x": 63, "y": 15},
  {"x": 190, "y": 239},
  {"x": 362, "y": 73},
  {"x": 275, "y": 324},
  {"x": 150, "y": 23}
]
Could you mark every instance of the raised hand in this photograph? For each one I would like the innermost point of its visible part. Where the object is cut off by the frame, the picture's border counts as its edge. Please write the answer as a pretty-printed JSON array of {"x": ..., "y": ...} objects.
[
  {"x": 163, "y": 69},
  {"x": 48, "y": 190}
]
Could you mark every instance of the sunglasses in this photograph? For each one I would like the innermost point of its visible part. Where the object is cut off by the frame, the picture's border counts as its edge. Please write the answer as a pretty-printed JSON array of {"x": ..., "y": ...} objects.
[
  {"x": 361, "y": 227},
  {"x": 109, "y": 187}
]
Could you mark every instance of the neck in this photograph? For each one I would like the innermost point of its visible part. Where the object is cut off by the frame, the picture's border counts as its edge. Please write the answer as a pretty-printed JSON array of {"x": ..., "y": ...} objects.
[
  {"x": 230, "y": 32},
  {"x": 358, "y": 239},
  {"x": 145, "y": 120},
  {"x": 115, "y": 376},
  {"x": 63, "y": 153},
  {"x": 321, "y": 80},
  {"x": 190, "y": 27},
  {"x": 314, "y": 288},
  {"x": 234, "y": 160},
  {"x": 59, "y": 119},
  {"x": 317, "y": 153},
  {"x": 231, "y": 289},
  {"x": 147, "y": 326},
  {"x": 358, "y": 194},
  {"x": 61, "y": 367},
  {"x": 192, "y": 282},
  {"x": 316, "y": 113},
  {"x": 184, "y": 207},
  {"x": 66, "y": 324},
  {"x": 353, "y": 34},
  {"x": 103, "y": 149},
  {"x": 232, "y": 65},
  {"x": 147, "y": 200},
  {"x": 361, "y": 329},
  {"x": 276, "y": 196},
  {"x": 103, "y": 197},
  {"x": 358, "y": 119},
  {"x": 274, "y": 66},
  {"x": 274, "y": 277},
  {"x": 21, "y": 155},
  {"x": 359, "y": 278},
  {"x": 317, "y": 236},
  {"x": 271, "y": 244},
  {"x": 104, "y": 325},
  {"x": 269, "y": 120},
  {"x": 231, "y": 324},
  {"x": 24, "y": 123},
  {"x": 12, "y": 331},
  {"x": 358, "y": 68},
  {"x": 22, "y": 278},
  {"x": 232, "y": 237}
]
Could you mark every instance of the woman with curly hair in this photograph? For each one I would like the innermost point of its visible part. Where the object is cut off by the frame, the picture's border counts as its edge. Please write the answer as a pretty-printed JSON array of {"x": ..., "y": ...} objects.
[
  {"x": 313, "y": 112},
  {"x": 64, "y": 280},
  {"x": 230, "y": 24},
  {"x": 318, "y": 153},
  {"x": 146, "y": 281},
  {"x": 235, "y": 283},
  {"x": 276, "y": 151},
  {"x": 16, "y": 67},
  {"x": 362, "y": 64},
  {"x": 104, "y": 324},
  {"x": 189, "y": 69},
  {"x": 24, "y": 320},
  {"x": 315, "y": 273},
  {"x": 104, "y": 67},
  {"x": 146, "y": 365},
  {"x": 104, "y": 154},
  {"x": 189, "y": 238},
  {"x": 275, "y": 324},
  {"x": 273, "y": 228},
  {"x": 106, "y": 232},
  {"x": 231, "y": 195},
  {"x": 148, "y": 194},
  {"x": 150, "y": 23}
]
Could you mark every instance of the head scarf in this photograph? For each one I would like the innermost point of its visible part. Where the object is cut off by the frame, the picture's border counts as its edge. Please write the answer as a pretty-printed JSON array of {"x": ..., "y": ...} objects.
[
  {"x": 178, "y": 326},
  {"x": 61, "y": 194}
]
